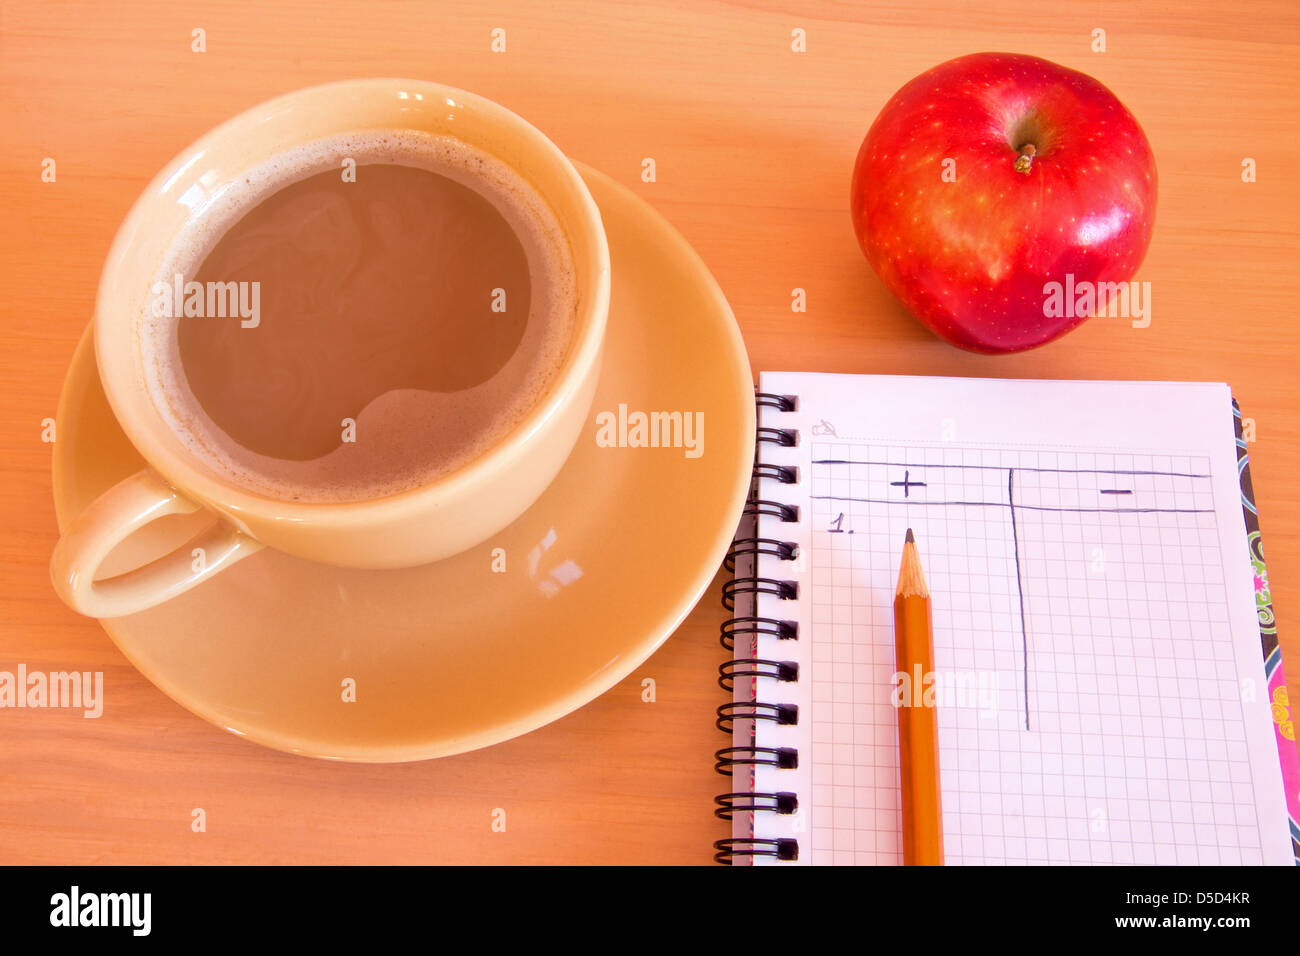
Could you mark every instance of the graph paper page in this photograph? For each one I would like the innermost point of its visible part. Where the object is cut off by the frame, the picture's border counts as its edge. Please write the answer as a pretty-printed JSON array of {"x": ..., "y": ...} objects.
[{"x": 1099, "y": 679}]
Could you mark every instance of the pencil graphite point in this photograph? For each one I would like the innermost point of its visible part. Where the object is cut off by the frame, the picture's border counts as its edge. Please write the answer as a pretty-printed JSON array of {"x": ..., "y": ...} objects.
[{"x": 911, "y": 579}]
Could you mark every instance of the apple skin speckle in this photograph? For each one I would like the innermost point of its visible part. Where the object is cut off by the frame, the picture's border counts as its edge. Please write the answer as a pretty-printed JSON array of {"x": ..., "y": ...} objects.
[{"x": 970, "y": 258}]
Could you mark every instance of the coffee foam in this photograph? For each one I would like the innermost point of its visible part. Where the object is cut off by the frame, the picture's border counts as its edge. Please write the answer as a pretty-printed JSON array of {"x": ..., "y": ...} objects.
[{"x": 400, "y": 425}]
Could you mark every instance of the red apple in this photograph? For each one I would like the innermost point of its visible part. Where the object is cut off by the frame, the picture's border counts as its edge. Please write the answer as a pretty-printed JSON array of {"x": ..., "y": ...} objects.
[{"x": 988, "y": 178}]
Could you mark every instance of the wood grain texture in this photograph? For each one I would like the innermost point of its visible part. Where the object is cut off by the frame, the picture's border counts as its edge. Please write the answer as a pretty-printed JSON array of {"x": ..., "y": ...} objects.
[{"x": 754, "y": 145}]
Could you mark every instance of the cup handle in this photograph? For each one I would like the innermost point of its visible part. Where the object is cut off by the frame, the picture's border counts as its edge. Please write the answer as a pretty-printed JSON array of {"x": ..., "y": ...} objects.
[{"x": 123, "y": 509}]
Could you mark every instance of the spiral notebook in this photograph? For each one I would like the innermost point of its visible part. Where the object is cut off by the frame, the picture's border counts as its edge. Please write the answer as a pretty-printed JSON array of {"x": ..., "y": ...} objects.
[{"x": 1100, "y": 605}]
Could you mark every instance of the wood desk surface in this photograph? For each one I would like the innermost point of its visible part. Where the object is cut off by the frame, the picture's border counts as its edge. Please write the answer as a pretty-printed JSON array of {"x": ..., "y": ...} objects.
[{"x": 754, "y": 145}]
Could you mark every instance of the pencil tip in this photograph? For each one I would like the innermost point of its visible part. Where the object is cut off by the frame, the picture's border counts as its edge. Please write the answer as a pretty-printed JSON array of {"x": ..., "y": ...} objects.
[{"x": 911, "y": 579}]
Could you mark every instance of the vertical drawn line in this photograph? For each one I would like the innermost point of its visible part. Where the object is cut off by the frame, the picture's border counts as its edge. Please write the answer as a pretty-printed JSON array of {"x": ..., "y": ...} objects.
[{"x": 1015, "y": 545}]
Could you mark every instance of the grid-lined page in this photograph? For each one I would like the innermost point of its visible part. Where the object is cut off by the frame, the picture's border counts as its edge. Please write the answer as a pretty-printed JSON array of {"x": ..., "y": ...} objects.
[{"x": 1096, "y": 649}]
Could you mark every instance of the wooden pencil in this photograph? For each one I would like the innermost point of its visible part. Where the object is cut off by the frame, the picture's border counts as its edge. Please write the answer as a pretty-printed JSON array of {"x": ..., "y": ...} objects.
[{"x": 918, "y": 728}]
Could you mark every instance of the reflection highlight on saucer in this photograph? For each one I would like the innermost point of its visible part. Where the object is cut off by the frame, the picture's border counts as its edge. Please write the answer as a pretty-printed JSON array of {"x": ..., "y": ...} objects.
[{"x": 560, "y": 575}]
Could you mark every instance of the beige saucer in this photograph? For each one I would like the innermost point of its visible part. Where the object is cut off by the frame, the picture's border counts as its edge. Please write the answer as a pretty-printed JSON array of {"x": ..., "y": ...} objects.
[{"x": 454, "y": 656}]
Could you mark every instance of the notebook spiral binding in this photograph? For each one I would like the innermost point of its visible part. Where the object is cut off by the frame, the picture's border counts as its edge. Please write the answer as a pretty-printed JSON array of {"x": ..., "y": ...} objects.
[{"x": 747, "y": 585}]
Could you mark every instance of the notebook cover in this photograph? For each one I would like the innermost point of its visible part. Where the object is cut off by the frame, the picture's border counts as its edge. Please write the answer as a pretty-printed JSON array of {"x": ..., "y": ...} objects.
[{"x": 1274, "y": 678}]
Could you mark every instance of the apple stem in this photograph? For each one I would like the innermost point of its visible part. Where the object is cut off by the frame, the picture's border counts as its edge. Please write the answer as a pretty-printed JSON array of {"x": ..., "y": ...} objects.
[{"x": 1026, "y": 158}]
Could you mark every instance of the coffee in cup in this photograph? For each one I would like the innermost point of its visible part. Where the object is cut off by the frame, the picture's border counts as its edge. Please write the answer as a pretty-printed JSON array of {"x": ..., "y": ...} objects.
[{"x": 403, "y": 300}]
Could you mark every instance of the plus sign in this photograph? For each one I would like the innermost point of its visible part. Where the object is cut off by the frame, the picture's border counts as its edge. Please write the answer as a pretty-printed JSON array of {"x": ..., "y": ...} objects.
[{"x": 907, "y": 483}]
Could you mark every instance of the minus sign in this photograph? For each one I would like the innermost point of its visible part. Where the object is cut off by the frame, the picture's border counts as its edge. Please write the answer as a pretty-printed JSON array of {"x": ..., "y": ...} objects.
[{"x": 1116, "y": 491}]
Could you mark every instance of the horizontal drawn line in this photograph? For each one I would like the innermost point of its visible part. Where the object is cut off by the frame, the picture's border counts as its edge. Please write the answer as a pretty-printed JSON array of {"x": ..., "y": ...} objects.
[
  {"x": 1116, "y": 491},
  {"x": 918, "y": 501},
  {"x": 1055, "y": 471},
  {"x": 1019, "y": 507}
]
